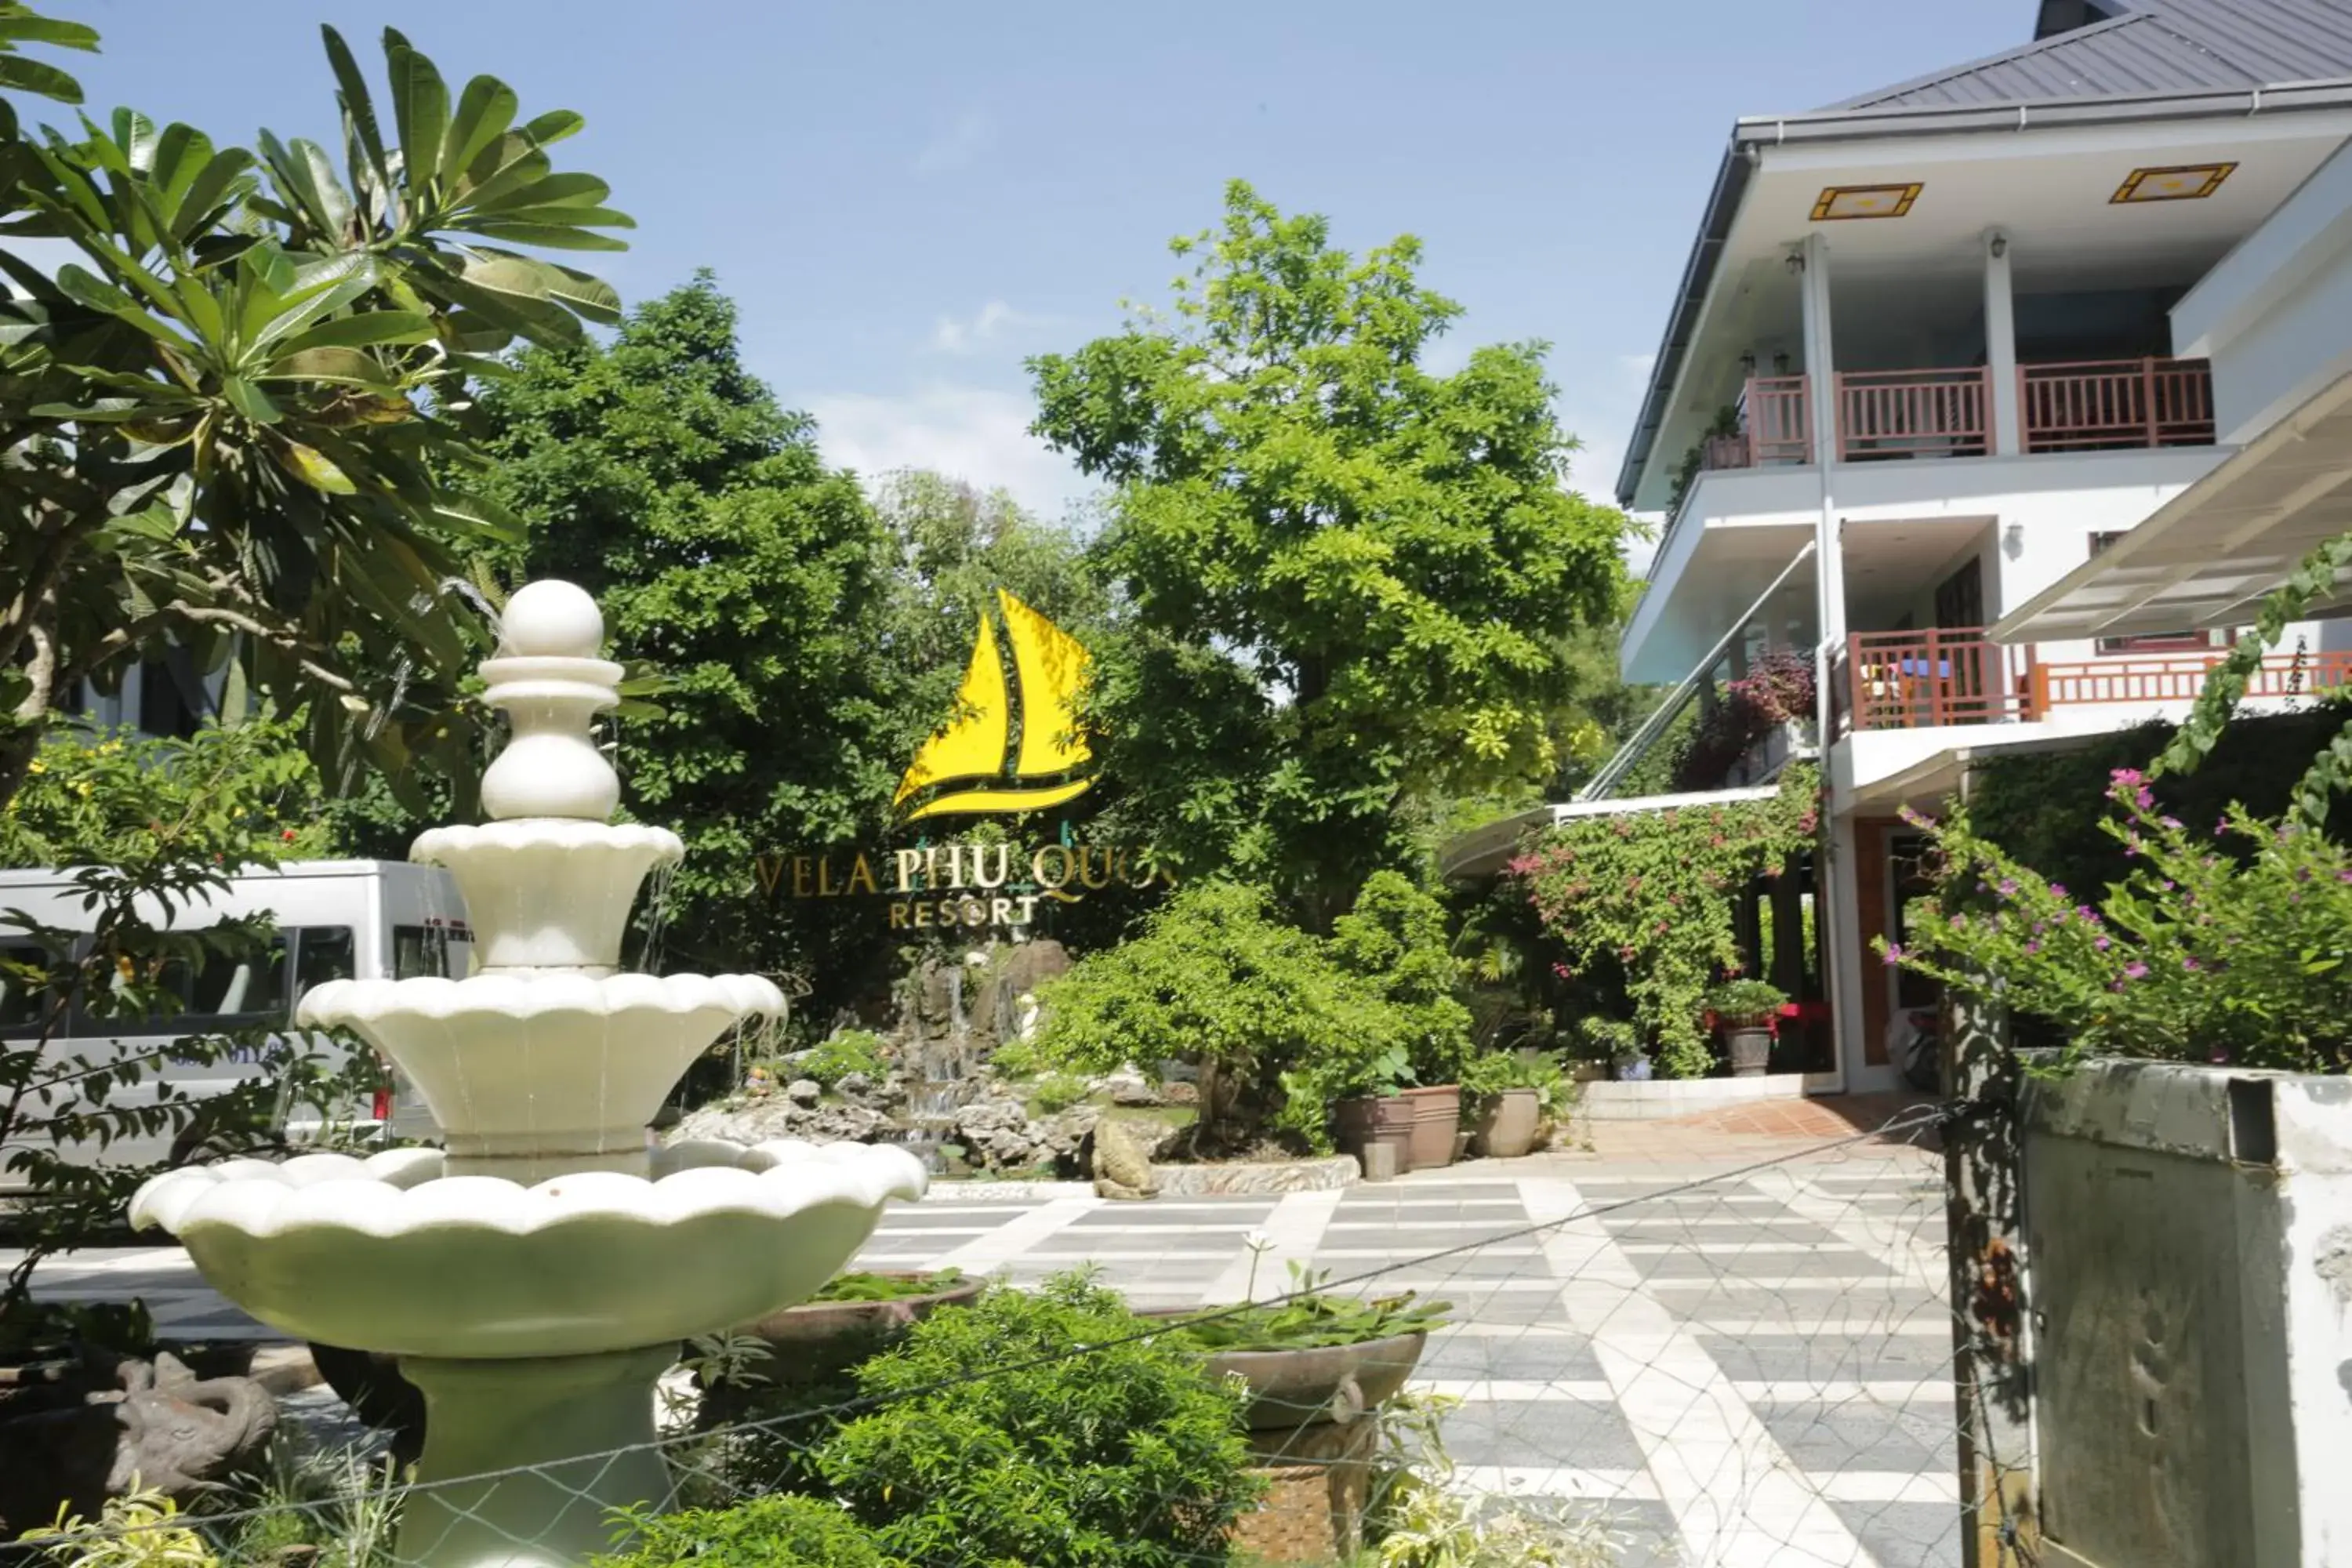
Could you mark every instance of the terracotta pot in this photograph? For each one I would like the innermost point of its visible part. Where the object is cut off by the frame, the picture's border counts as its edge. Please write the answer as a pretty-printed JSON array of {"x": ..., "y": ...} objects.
[
  {"x": 1751, "y": 1051},
  {"x": 1300, "y": 1388},
  {"x": 1436, "y": 1113},
  {"x": 1507, "y": 1123},
  {"x": 1363, "y": 1120}
]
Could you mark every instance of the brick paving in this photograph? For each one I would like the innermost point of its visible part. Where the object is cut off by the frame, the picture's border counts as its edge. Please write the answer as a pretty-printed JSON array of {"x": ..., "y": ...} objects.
[{"x": 1747, "y": 1369}]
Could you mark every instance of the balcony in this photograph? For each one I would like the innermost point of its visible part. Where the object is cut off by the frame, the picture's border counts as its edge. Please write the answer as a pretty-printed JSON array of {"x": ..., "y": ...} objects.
[
  {"x": 1912, "y": 680},
  {"x": 1883, "y": 415}
]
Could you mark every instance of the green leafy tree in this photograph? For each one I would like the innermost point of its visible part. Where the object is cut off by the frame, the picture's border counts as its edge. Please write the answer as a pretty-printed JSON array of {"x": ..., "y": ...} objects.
[
  {"x": 235, "y": 424},
  {"x": 662, "y": 477},
  {"x": 1342, "y": 578}
]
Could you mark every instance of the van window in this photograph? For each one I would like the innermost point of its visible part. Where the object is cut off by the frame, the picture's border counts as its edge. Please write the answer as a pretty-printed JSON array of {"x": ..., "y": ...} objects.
[
  {"x": 244, "y": 988},
  {"x": 21, "y": 1001},
  {"x": 420, "y": 949},
  {"x": 322, "y": 953}
]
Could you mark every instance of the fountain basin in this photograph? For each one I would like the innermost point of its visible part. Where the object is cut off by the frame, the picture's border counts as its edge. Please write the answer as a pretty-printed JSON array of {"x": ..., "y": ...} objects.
[
  {"x": 545, "y": 892},
  {"x": 554, "y": 1071},
  {"x": 387, "y": 1254}
]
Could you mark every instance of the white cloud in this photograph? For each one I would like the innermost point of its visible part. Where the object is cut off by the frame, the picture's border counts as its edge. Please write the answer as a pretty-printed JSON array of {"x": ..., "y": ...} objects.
[
  {"x": 995, "y": 319},
  {"x": 957, "y": 147},
  {"x": 979, "y": 435}
]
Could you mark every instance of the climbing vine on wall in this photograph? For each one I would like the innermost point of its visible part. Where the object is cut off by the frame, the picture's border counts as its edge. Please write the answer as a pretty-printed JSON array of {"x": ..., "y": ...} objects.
[{"x": 1655, "y": 890}]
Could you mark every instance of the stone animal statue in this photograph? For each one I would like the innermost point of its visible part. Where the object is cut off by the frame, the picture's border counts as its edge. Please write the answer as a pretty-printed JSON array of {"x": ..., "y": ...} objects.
[
  {"x": 1122, "y": 1169},
  {"x": 163, "y": 1428}
]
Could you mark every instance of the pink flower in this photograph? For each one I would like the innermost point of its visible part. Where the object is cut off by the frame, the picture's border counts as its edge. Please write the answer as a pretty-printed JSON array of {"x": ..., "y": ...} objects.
[
  {"x": 2190, "y": 963},
  {"x": 1894, "y": 952},
  {"x": 2170, "y": 822},
  {"x": 2057, "y": 890},
  {"x": 2128, "y": 777},
  {"x": 2135, "y": 971},
  {"x": 2102, "y": 944}
]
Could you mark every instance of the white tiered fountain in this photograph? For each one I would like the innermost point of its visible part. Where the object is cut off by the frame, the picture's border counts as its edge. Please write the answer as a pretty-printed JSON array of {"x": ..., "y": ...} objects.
[{"x": 537, "y": 1276}]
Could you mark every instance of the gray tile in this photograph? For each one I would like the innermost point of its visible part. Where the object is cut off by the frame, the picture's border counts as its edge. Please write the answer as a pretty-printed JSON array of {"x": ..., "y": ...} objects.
[
  {"x": 1928, "y": 1534},
  {"x": 1700, "y": 1263},
  {"x": 1408, "y": 1238},
  {"x": 1577, "y": 1432},
  {"x": 1862, "y": 1435},
  {"x": 1826, "y": 1358},
  {"x": 1539, "y": 1358}
]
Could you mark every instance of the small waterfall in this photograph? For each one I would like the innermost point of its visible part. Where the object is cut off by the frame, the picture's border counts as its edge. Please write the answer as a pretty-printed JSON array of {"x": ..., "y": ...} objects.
[{"x": 944, "y": 1081}]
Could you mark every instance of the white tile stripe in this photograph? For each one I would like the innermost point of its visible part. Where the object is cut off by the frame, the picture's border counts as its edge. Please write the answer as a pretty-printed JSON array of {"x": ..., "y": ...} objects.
[
  {"x": 984, "y": 1254},
  {"x": 1886, "y": 1236},
  {"x": 1738, "y": 1500},
  {"x": 1295, "y": 1230}
]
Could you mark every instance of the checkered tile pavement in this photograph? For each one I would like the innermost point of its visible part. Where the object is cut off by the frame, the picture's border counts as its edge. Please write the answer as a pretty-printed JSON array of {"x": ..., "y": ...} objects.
[{"x": 1750, "y": 1370}]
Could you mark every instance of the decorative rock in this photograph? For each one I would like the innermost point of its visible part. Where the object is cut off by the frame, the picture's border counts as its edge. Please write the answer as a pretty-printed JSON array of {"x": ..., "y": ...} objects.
[
  {"x": 1120, "y": 1168},
  {"x": 1176, "y": 1093},
  {"x": 853, "y": 1085},
  {"x": 166, "y": 1429},
  {"x": 803, "y": 1092},
  {"x": 1128, "y": 1086}
]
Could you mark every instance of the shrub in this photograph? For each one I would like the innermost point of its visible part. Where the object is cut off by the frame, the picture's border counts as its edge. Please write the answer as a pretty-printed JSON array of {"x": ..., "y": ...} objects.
[
  {"x": 2228, "y": 942},
  {"x": 1035, "y": 1428},
  {"x": 1747, "y": 1003},
  {"x": 782, "y": 1531},
  {"x": 1214, "y": 978},
  {"x": 835, "y": 1058},
  {"x": 1778, "y": 691},
  {"x": 1394, "y": 940},
  {"x": 1653, "y": 891}
]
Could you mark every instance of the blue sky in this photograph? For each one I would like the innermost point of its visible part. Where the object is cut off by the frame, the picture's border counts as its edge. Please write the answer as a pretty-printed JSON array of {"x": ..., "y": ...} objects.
[{"x": 907, "y": 198}]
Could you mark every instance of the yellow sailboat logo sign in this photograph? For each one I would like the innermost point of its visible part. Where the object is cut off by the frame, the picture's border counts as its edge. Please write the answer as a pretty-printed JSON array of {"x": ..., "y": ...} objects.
[{"x": 1010, "y": 748}]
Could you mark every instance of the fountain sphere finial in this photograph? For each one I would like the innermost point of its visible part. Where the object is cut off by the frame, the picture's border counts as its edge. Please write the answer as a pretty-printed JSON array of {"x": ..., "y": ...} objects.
[{"x": 551, "y": 619}]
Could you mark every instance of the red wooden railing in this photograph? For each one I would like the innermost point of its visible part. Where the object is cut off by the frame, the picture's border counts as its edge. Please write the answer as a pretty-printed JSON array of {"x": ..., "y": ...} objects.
[
  {"x": 1908, "y": 680},
  {"x": 1913, "y": 414},
  {"x": 1780, "y": 420},
  {"x": 2116, "y": 404},
  {"x": 2178, "y": 678}
]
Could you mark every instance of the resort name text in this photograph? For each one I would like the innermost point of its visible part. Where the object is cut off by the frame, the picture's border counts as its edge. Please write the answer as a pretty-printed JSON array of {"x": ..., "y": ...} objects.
[{"x": 961, "y": 884}]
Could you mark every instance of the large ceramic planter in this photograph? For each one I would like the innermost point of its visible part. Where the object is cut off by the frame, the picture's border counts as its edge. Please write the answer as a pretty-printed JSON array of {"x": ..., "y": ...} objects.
[
  {"x": 1507, "y": 1123},
  {"x": 1751, "y": 1050},
  {"x": 809, "y": 1342},
  {"x": 1289, "y": 1389},
  {"x": 1362, "y": 1120},
  {"x": 1436, "y": 1114}
]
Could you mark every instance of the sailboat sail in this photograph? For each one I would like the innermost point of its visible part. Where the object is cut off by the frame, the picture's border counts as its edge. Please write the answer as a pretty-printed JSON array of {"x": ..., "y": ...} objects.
[{"x": 976, "y": 751}]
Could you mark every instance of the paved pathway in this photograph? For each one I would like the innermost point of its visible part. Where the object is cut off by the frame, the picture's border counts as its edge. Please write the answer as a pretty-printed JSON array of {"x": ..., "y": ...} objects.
[{"x": 1751, "y": 1370}]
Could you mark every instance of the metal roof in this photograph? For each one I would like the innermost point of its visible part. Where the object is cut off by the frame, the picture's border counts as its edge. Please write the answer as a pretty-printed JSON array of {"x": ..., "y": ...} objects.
[
  {"x": 2152, "y": 46},
  {"x": 2153, "y": 60}
]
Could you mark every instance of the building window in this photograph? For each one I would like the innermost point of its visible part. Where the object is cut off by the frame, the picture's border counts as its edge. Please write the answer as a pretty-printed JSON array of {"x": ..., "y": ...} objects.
[{"x": 2153, "y": 642}]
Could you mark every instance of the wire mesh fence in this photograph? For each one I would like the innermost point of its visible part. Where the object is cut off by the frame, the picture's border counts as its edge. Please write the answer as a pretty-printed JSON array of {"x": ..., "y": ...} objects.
[{"x": 1666, "y": 1361}]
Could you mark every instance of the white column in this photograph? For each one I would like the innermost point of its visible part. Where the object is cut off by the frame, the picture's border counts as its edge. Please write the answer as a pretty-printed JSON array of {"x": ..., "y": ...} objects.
[
  {"x": 2001, "y": 347},
  {"x": 1833, "y": 850}
]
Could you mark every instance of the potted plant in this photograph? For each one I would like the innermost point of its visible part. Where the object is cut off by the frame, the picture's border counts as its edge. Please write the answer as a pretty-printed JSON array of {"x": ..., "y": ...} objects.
[
  {"x": 854, "y": 1315},
  {"x": 1370, "y": 1107},
  {"x": 1517, "y": 1092},
  {"x": 1747, "y": 1010},
  {"x": 1617, "y": 1042},
  {"x": 1309, "y": 1357}
]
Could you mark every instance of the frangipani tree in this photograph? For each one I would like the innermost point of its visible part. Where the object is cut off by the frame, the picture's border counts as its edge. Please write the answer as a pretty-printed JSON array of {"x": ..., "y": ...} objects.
[{"x": 235, "y": 424}]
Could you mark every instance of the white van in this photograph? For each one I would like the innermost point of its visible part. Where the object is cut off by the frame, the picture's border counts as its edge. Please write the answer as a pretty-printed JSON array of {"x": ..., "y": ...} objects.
[{"x": 335, "y": 919}]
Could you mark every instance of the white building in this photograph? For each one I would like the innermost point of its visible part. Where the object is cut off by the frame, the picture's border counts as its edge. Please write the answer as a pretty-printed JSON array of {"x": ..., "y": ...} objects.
[{"x": 1937, "y": 349}]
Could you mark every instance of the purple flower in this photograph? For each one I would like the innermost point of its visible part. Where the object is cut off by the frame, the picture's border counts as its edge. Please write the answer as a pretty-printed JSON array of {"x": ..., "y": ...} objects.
[
  {"x": 2008, "y": 885},
  {"x": 1960, "y": 920},
  {"x": 2190, "y": 963},
  {"x": 2146, "y": 799},
  {"x": 1894, "y": 952},
  {"x": 2303, "y": 873},
  {"x": 2032, "y": 947},
  {"x": 2086, "y": 914},
  {"x": 2057, "y": 890},
  {"x": 2128, "y": 777},
  {"x": 2102, "y": 944},
  {"x": 2171, "y": 822},
  {"x": 2135, "y": 971}
]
